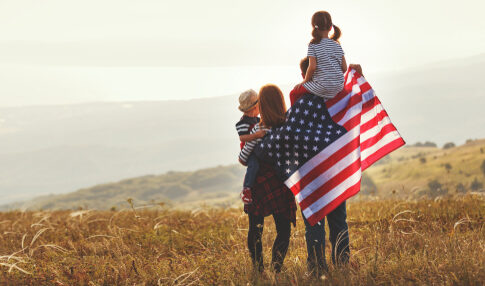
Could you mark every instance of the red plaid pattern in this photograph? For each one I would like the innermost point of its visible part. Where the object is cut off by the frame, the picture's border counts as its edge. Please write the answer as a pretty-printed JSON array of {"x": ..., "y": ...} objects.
[{"x": 271, "y": 196}]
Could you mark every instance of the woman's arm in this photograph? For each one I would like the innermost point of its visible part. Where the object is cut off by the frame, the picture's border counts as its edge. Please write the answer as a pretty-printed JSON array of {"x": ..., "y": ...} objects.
[
  {"x": 253, "y": 136},
  {"x": 248, "y": 147}
]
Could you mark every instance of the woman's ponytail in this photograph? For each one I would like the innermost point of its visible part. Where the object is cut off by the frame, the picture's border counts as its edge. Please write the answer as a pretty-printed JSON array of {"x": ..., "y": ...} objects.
[{"x": 336, "y": 33}]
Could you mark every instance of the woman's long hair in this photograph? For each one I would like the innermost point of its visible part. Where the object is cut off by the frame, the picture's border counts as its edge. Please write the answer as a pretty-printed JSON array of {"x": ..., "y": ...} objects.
[
  {"x": 272, "y": 107},
  {"x": 322, "y": 21}
]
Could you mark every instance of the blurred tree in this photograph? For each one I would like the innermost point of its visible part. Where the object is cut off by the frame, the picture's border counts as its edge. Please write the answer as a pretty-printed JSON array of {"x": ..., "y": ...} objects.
[
  {"x": 483, "y": 167},
  {"x": 449, "y": 145},
  {"x": 425, "y": 144},
  {"x": 368, "y": 185},
  {"x": 476, "y": 185},
  {"x": 435, "y": 187},
  {"x": 448, "y": 167},
  {"x": 460, "y": 188}
]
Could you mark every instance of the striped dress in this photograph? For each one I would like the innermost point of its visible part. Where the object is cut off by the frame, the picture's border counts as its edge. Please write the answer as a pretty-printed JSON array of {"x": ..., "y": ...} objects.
[
  {"x": 328, "y": 78},
  {"x": 249, "y": 146}
]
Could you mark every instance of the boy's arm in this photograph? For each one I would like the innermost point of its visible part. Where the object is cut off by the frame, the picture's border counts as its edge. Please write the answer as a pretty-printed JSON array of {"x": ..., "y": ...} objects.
[{"x": 251, "y": 137}]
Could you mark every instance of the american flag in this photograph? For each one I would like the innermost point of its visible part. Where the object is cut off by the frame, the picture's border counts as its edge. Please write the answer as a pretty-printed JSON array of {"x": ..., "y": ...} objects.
[{"x": 324, "y": 146}]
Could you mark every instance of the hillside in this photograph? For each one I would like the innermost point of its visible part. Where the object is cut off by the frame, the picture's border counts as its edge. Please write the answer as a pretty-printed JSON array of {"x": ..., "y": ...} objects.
[
  {"x": 406, "y": 174},
  {"x": 409, "y": 171}
]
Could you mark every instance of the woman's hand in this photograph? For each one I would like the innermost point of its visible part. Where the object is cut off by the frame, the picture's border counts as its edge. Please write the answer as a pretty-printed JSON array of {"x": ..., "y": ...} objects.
[
  {"x": 260, "y": 134},
  {"x": 245, "y": 164}
]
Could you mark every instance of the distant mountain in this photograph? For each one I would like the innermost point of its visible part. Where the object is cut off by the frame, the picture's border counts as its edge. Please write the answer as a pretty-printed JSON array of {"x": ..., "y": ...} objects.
[
  {"x": 441, "y": 102},
  {"x": 59, "y": 149},
  {"x": 54, "y": 149},
  {"x": 408, "y": 173}
]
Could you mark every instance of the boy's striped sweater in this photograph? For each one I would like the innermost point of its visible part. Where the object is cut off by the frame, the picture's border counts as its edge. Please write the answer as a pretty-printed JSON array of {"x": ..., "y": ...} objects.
[{"x": 249, "y": 146}]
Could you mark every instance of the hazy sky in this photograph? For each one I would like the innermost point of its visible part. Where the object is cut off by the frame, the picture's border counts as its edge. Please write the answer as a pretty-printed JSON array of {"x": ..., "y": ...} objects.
[{"x": 64, "y": 51}]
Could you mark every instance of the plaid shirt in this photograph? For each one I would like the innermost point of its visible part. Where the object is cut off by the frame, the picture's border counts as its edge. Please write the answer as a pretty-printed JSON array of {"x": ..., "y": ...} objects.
[{"x": 271, "y": 196}]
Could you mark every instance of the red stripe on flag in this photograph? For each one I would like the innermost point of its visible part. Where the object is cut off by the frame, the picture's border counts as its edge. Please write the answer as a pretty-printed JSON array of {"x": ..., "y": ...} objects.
[
  {"x": 325, "y": 165},
  {"x": 373, "y": 140},
  {"x": 352, "y": 122},
  {"x": 354, "y": 100},
  {"x": 381, "y": 152},
  {"x": 318, "y": 216},
  {"x": 369, "y": 105},
  {"x": 345, "y": 91},
  {"x": 331, "y": 102},
  {"x": 374, "y": 121},
  {"x": 330, "y": 184},
  {"x": 365, "y": 87}
]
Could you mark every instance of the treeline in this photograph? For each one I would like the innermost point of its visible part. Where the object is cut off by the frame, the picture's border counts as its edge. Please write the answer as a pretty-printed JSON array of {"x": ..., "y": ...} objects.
[{"x": 222, "y": 182}]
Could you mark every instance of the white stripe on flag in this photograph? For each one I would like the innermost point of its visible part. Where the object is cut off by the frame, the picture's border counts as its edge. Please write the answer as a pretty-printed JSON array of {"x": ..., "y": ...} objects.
[
  {"x": 339, "y": 106},
  {"x": 329, "y": 174},
  {"x": 375, "y": 130},
  {"x": 369, "y": 115},
  {"x": 391, "y": 136},
  {"x": 342, "y": 103},
  {"x": 332, "y": 194},
  {"x": 322, "y": 156},
  {"x": 353, "y": 111},
  {"x": 366, "y": 96},
  {"x": 361, "y": 80},
  {"x": 350, "y": 77}
]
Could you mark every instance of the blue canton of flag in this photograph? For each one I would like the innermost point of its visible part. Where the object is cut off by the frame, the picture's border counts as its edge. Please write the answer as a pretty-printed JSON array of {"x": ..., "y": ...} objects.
[{"x": 308, "y": 130}]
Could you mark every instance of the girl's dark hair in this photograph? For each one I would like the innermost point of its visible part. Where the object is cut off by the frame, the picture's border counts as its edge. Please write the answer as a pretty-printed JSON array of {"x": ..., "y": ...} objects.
[{"x": 322, "y": 21}]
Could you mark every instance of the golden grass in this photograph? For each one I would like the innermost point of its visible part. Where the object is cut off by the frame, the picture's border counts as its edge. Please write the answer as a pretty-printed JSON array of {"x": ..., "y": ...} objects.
[{"x": 392, "y": 242}]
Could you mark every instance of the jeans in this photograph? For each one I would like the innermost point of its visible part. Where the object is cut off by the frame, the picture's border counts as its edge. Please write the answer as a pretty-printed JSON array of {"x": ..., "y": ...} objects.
[
  {"x": 251, "y": 171},
  {"x": 339, "y": 238},
  {"x": 280, "y": 245}
]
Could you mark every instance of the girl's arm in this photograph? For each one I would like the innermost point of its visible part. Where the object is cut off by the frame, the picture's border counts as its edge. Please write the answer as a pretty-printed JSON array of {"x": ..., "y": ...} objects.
[
  {"x": 344, "y": 64},
  {"x": 311, "y": 69},
  {"x": 251, "y": 137},
  {"x": 357, "y": 67}
]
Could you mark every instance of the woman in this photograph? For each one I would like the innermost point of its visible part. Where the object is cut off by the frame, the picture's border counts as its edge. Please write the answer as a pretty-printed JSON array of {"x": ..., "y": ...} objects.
[{"x": 269, "y": 195}]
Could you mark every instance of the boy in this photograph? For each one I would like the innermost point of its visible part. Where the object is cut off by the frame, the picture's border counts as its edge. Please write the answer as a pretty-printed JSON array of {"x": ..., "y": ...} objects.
[{"x": 248, "y": 104}]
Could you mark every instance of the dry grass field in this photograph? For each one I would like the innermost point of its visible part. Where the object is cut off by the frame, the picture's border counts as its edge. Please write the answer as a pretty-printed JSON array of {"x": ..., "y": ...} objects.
[{"x": 434, "y": 242}]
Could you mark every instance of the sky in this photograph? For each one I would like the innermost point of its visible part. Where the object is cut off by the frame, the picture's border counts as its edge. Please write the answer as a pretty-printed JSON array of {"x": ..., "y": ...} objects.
[{"x": 65, "y": 51}]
